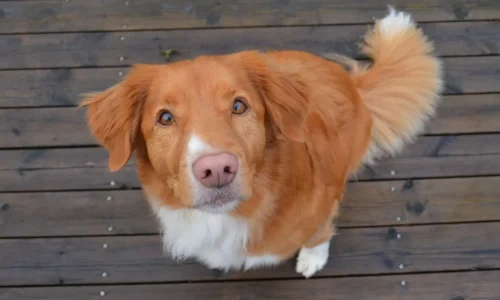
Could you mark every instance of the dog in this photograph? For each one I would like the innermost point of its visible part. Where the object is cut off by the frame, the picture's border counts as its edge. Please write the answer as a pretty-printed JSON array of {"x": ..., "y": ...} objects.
[{"x": 244, "y": 157}]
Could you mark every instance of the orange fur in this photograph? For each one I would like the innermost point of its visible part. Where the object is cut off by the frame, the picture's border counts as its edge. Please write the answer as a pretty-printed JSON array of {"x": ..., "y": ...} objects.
[{"x": 311, "y": 124}]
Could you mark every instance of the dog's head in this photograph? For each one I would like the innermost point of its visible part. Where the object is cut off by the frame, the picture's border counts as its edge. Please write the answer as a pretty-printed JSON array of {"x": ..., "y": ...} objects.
[{"x": 204, "y": 125}]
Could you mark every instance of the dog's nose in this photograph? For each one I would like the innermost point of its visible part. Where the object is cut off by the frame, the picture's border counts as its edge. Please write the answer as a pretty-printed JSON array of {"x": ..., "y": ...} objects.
[{"x": 216, "y": 170}]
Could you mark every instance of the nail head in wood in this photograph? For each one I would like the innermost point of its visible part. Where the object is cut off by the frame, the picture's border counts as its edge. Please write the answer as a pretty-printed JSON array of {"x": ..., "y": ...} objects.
[
  {"x": 399, "y": 236},
  {"x": 109, "y": 198},
  {"x": 122, "y": 38},
  {"x": 127, "y": 3},
  {"x": 121, "y": 58},
  {"x": 105, "y": 246},
  {"x": 102, "y": 293},
  {"x": 104, "y": 274},
  {"x": 401, "y": 266},
  {"x": 112, "y": 183},
  {"x": 393, "y": 189},
  {"x": 110, "y": 228},
  {"x": 124, "y": 26},
  {"x": 120, "y": 73},
  {"x": 403, "y": 283},
  {"x": 399, "y": 219},
  {"x": 393, "y": 172}
]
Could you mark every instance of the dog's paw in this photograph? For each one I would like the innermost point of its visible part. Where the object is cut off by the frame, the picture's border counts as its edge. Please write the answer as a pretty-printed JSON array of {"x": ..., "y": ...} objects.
[{"x": 312, "y": 260}]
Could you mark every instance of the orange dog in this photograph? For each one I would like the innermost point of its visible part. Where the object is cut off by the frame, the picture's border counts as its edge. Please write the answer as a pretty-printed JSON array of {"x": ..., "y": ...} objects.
[{"x": 244, "y": 157}]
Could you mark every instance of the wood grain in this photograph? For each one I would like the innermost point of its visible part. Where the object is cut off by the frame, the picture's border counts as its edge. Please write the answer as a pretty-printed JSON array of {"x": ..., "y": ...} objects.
[
  {"x": 463, "y": 285},
  {"x": 83, "y": 15},
  {"x": 64, "y": 87},
  {"x": 57, "y": 87},
  {"x": 467, "y": 113},
  {"x": 137, "y": 259},
  {"x": 449, "y": 166},
  {"x": 421, "y": 202},
  {"x": 75, "y": 213},
  {"x": 42, "y": 127},
  {"x": 95, "y": 157},
  {"x": 86, "y": 168},
  {"x": 413, "y": 202},
  {"x": 84, "y": 178},
  {"x": 107, "y": 48}
]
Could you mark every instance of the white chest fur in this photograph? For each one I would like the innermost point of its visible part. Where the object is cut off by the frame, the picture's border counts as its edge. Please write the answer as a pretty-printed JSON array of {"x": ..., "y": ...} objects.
[{"x": 219, "y": 241}]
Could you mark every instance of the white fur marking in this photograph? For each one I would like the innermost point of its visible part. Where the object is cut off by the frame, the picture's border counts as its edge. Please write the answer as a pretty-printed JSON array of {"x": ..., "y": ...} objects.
[
  {"x": 266, "y": 260},
  {"x": 312, "y": 260},
  {"x": 395, "y": 23},
  {"x": 196, "y": 147},
  {"x": 218, "y": 241}
]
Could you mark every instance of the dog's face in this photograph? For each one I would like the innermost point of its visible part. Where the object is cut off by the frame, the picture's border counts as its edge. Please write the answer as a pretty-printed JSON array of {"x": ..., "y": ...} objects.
[{"x": 204, "y": 125}]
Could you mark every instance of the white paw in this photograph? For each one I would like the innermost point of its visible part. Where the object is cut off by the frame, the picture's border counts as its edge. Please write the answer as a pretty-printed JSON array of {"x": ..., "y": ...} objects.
[{"x": 312, "y": 260}]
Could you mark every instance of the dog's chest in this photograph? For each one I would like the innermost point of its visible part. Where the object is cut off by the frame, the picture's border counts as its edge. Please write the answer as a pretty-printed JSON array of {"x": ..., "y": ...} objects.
[{"x": 219, "y": 241}]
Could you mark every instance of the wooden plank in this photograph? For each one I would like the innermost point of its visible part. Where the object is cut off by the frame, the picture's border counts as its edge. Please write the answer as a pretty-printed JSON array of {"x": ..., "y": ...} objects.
[
  {"x": 63, "y": 87},
  {"x": 95, "y": 157},
  {"x": 42, "y": 127},
  {"x": 82, "y": 15},
  {"x": 52, "y": 214},
  {"x": 91, "y": 178},
  {"x": 467, "y": 113},
  {"x": 448, "y": 145},
  {"x": 86, "y": 168},
  {"x": 425, "y": 167},
  {"x": 365, "y": 251},
  {"x": 75, "y": 213},
  {"x": 85, "y": 178},
  {"x": 124, "y": 48},
  {"x": 464, "y": 285},
  {"x": 57, "y": 87},
  {"x": 421, "y": 202}
]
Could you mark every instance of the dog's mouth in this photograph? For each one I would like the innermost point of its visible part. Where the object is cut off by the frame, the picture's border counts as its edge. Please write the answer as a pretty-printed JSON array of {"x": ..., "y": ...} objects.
[{"x": 217, "y": 200}]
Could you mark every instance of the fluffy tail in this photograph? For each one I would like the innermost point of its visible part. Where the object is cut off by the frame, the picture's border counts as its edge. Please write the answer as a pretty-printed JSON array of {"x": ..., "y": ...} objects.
[{"x": 402, "y": 87}]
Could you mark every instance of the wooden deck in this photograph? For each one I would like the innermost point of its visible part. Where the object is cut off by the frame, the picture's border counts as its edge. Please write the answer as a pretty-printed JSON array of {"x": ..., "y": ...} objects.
[{"x": 425, "y": 225}]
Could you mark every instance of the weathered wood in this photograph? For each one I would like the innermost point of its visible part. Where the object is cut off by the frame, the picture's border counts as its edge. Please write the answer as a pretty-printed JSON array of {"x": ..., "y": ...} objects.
[
  {"x": 354, "y": 252},
  {"x": 86, "y": 168},
  {"x": 58, "y": 87},
  {"x": 447, "y": 145},
  {"x": 447, "y": 166},
  {"x": 453, "y": 286},
  {"x": 83, "y": 178},
  {"x": 92, "y": 15},
  {"x": 64, "y": 87},
  {"x": 467, "y": 113},
  {"x": 44, "y": 127},
  {"x": 75, "y": 213},
  {"x": 421, "y": 201},
  {"x": 95, "y": 157},
  {"x": 41, "y": 127},
  {"x": 89, "y": 178},
  {"x": 366, "y": 204},
  {"x": 118, "y": 49}
]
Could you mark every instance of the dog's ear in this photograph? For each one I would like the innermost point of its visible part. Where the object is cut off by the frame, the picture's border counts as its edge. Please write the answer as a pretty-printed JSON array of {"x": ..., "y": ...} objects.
[
  {"x": 332, "y": 127},
  {"x": 114, "y": 115},
  {"x": 285, "y": 96}
]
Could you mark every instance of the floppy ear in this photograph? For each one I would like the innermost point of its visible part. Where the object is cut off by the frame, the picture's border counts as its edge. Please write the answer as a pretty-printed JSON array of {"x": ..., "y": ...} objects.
[
  {"x": 114, "y": 115},
  {"x": 332, "y": 126}
]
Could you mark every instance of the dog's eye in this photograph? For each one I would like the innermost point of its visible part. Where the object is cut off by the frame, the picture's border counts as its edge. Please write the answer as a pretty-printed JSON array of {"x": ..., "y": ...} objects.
[
  {"x": 166, "y": 118},
  {"x": 239, "y": 106}
]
